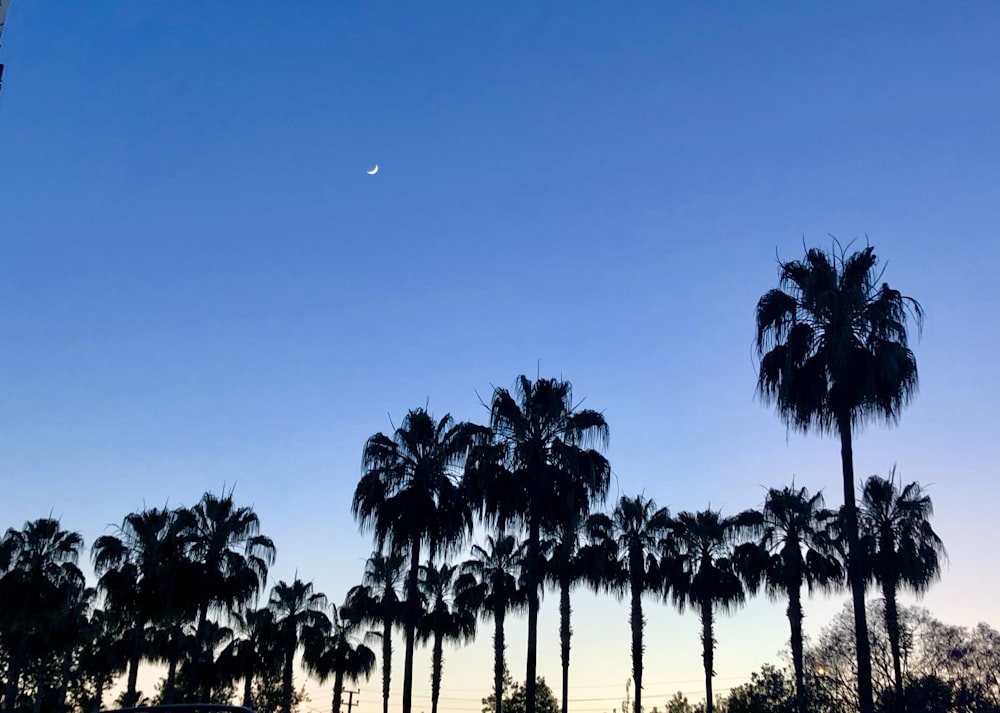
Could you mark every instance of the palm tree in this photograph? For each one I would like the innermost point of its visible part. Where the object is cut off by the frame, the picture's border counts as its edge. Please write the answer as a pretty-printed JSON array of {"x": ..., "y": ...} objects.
[
  {"x": 330, "y": 648},
  {"x": 38, "y": 576},
  {"x": 797, "y": 547},
  {"x": 138, "y": 574},
  {"x": 490, "y": 583},
  {"x": 376, "y": 601},
  {"x": 296, "y": 607},
  {"x": 443, "y": 619},
  {"x": 537, "y": 472},
  {"x": 255, "y": 651},
  {"x": 104, "y": 658},
  {"x": 624, "y": 555},
  {"x": 231, "y": 558},
  {"x": 411, "y": 497},
  {"x": 901, "y": 550},
  {"x": 834, "y": 356},
  {"x": 704, "y": 572}
]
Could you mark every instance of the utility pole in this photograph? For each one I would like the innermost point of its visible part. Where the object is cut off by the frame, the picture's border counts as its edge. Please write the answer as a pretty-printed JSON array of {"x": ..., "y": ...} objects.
[
  {"x": 350, "y": 700},
  {"x": 4, "y": 4}
]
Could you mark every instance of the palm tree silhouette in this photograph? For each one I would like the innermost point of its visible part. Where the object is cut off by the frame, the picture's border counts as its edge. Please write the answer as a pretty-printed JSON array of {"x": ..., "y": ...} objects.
[
  {"x": 376, "y": 601},
  {"x": 705, "y": 574},
  {"x": 410, "y": 497},
  {"x": 538, "y": 472},
  {"x": 834, "y": 356},
  {"x": 253, "y": 651},
  {"x": 138, "y": 573},
  {"x": 797, "y": 547},
  {"x": 330, "y": 648},
  {"x": 623, "y": 555},
  {"x": 490, "y": 583},
  {"x": 442, "y": 618},
  {"x": 901, "y": 550},
  {"x": 231, "y": 559},
  {"x": 296, "y": 607}
]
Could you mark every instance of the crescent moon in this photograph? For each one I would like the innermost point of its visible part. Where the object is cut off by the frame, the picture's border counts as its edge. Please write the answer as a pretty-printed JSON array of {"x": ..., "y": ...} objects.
[{"x": 373, "y": 171}]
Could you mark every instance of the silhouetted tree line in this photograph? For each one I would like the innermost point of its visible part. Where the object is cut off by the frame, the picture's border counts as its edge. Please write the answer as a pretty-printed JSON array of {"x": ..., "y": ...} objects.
[{"x": 180, "y": 588}]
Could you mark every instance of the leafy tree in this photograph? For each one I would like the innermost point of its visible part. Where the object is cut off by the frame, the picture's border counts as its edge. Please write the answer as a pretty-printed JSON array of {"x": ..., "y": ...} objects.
[
  {"x": 490, "y": 583},
  {"x": 296, "y": 607},
  {"x": 631, "y": 539},
  {"x": 769, "y": 691},
  {"x": 514, "y": 699},
  {"x": 376, "y": 601},
  {"x": 835, "y": 356},
  {"x": 411, "y": 497},
  {"x": 330, "y": 648},
  {"x": 538, "y": 472},
  {"x": 797, "y": 547},
  {"x": 38, "y": 577},
  {"x": 443, "y": 620},
  {"x": 901, "y": 549},
  {"x": 230, "y": 559},
  {"x": 704, "y": 574}
]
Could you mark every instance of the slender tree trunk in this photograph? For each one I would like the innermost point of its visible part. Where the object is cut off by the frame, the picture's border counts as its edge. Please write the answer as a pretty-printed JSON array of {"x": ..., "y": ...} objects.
[
  {"x": 99, "y": 694},
  {"x": 338, "y": 690},
  {"x": 13, "y": 679},
  {"x": 386, "y": 662},
  {"x": 410, "y": 625},
  {"x": 437, "y": 664},
  {"x": 854, "y": 571},
  {"x": 39, "y": 688},
  {"x": 892, "y": 628},
  {"x": 135, "y": 656},
  {"x": 637, "y": 622},
  {"x": 565, "y": 633},
  {"x": 196, "y": 688},
  {"x": 64, "y": 674},
  {"x": 795, "y": 621},
  {"x": 708, "y": 652},
  {"x": 248, "y": 689},
  {"x": 292, "y": 644},
  {"x": 534, "y": 537},
  {"x": 499, "y": 658},
  {"x": 170, "y": 684}
]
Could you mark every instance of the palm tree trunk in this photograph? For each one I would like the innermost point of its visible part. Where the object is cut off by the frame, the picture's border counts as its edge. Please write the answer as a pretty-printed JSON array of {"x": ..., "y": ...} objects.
[
  {"x": 499, "y": 664},
  {"x": 338, "y": 690},
  {"x": 64, "y": 675},
  {"x": 291, "y": 641},
  {"x": 138, "y": 638},
  {"x": 707, "y": 652},
  {"x": 637, "y": 623},
  {"x": 99, "y": 694},
  {"x": 795, "y": 621},
  {"x": 13, "y": 679},
  {"x": 172, "y": 655},
  {"x": 892, "y": 628},
  {"x": 386, "y": 662},
  {"x": 410, "y": 625},
  {"x": 534, "y": 537},
  {"x": 565, "y": 632},
  {"x": 248, "y": 689},
  {"x": 865, "y": 699},
  {"x": 437, "y": 663}
]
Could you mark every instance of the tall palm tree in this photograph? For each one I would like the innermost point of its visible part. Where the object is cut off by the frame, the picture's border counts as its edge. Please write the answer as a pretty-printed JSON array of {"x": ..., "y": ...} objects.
[
  {"x": 137, "y": 569},
  {"x": 38, "y": 576},
  {"x": 630, "y": 541},
  {"x": 254, "y": 651},
  {"x": 537, "y": 472},
  {"x": 296, "y": 606},
  {"x": 104, "y": 658},
  {"x": 443, "y": 620},
  {"x": 490, "y": 583},
  {"x": 411, "y": 497},
  {"x": 901, "y": 549},
  {"x": 835, "y": 356},
  {"x": 797, "y": 547},
  {"x": 704, "y": 573},
  {"x": 37, "y": 570},
  {"x": 376, "y": 601},
  {"x": 331, "y": 649},
  {"x": 231, "y": 558}
]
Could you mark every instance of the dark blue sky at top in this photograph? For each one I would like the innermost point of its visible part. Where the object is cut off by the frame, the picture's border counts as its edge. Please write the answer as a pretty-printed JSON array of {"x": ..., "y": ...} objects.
[{"x": 199, "y": 283}]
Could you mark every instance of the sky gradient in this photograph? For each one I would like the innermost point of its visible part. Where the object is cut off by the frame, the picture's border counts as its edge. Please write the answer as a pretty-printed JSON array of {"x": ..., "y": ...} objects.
[{"x": 200, "y": 287}]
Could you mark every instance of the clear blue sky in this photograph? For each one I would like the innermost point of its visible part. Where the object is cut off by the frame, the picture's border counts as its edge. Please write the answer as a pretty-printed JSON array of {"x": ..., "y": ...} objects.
[{"x": 200, "y": 286}]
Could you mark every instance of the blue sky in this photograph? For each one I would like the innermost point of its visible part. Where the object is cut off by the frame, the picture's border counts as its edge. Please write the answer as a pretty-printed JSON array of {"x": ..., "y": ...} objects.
[{"x": 201, "y": 287}]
